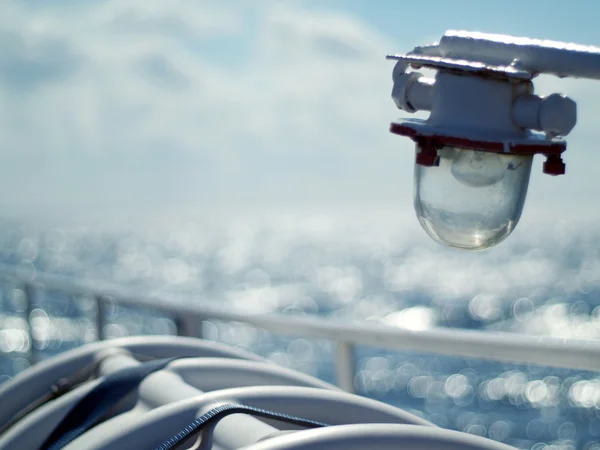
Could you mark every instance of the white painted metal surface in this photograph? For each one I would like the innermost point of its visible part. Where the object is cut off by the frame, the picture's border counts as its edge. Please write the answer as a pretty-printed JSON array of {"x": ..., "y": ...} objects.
[
  {"x": 483, "y": 85},
  {"x": 168, "y": 400},
  {"x": 380, "y": 437},
  {"x": 519, "y": 57},
  {"x": 112, "y": 355},
  {"x": 483, "y": 109},
  {"x": 532, "y": 55}
]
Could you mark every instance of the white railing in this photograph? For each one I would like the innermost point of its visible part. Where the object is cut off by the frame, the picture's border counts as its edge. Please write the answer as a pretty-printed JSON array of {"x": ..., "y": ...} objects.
[{"x": 188, "y": 317}]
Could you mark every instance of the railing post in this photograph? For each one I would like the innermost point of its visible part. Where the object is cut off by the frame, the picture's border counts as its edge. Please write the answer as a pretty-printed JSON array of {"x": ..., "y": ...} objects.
[
  {"x": 345, "y": 367},
  {"x": 30, "y": 291},
  {"x": 100, "y": 316},
  {"x": 188, "y": 325}
]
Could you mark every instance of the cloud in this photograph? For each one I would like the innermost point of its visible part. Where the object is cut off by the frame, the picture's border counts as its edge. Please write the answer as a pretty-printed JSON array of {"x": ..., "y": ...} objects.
[
  {"x": 259, "y": 94},
  {"x": 26, "y": 64},
  {"x": 298, "y": 68},
  {"x": 137, "y": 104},
  {"x": 156, "y": 68}
]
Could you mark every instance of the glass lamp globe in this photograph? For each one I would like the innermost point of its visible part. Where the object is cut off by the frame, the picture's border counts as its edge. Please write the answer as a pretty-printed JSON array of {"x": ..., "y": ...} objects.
[{"x": 473, "y": 199}]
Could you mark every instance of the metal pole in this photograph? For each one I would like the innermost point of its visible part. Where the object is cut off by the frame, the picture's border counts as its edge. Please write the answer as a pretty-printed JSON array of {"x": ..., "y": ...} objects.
[
  {"x": 100, "y": 316},
  {"x": 30, "y": 292},
  {"x": 188, "y": 325},
  {"x": 345, "y": 366}
]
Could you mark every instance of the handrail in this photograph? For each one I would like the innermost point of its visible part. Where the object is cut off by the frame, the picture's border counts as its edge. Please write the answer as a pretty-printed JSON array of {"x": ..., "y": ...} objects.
[{"x": 493, "y": 346}]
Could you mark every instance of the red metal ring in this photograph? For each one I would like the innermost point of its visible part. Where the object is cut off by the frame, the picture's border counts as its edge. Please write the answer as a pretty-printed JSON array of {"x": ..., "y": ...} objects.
[{"x": 545, "y": 148}]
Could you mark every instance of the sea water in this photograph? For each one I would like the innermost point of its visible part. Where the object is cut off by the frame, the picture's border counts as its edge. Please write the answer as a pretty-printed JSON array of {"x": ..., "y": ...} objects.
[{"x": 543, "y": 281}]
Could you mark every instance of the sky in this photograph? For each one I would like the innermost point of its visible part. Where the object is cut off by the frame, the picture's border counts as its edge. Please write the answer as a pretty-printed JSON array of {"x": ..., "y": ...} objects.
[{"x": 136, "y": 107}]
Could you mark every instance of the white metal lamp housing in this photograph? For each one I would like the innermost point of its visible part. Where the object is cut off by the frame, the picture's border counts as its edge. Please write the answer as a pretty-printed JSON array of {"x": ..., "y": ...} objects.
[{"x": 474, "y": 152}]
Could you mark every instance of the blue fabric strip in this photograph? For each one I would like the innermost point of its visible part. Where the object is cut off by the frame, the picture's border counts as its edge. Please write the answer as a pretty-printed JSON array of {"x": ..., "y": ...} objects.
[{"x": 89, "y": 410}]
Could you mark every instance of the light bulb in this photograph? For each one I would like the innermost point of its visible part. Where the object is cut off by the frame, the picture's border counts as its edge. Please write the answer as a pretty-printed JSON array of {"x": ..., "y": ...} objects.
[
  {"x": 477, "y": 169},
  {"x": 472, "y": 200}
]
